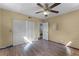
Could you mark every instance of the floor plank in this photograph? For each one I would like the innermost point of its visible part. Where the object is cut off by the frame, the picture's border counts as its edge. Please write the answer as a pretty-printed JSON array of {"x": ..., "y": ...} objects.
[{"x": 39, "y": 48}]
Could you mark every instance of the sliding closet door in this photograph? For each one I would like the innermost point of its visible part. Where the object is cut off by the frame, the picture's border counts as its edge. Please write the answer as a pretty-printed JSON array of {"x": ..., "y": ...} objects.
[
  {"x": 29, "y": 31},
  {"x": 32, "y": 31},
  {"x": 19, "y": 31},
  {"x": 26, "y": 37},
  {"x": 37, "y": 30},
  {"x": 25, "y": 31}
]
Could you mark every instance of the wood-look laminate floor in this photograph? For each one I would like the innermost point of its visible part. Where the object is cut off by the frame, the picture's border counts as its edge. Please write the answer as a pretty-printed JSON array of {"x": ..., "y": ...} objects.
[{"x": 39, "y": 48}]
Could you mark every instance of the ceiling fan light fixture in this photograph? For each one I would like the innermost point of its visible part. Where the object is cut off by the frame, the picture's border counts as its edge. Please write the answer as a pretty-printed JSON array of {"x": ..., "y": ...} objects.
[
  {"x": 45, "y": 12},
  {"x": 47, "y": 9}
]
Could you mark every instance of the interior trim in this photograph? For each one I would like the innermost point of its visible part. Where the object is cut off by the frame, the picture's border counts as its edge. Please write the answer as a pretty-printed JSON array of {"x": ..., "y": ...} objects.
[{"x": 6, "y": 47}]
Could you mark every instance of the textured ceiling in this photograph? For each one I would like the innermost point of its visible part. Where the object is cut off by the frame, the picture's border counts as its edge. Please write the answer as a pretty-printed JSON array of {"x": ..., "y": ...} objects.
[{"x": 31, "y": 8}]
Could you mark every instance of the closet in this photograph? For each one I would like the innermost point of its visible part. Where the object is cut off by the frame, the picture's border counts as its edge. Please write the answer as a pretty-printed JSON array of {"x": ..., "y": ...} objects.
[{"x": 25, "y": 31}]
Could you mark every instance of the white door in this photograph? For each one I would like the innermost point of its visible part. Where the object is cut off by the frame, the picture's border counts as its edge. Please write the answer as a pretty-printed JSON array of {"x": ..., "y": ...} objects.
[
  {"x": 19, "y": 31},
  {"x": 24, "y": 32},
  {"x": 45, "y": 31},
  {"x": 29, "y": 32},
  {"x": 33, "y": 31}
]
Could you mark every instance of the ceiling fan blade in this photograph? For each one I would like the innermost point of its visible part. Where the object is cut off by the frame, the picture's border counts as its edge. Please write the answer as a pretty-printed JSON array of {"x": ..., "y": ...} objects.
[
  {"x": 54, "y": 5},
  {"x": 39, "y": 12},
  {"x": 40, "y": 5},
  {"x": 46, "y": 5},
  {"x": 54, "y": 11}
]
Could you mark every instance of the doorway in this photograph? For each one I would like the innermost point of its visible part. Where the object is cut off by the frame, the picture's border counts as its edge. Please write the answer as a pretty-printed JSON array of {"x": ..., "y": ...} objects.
[{"x": 44, "y": 30}]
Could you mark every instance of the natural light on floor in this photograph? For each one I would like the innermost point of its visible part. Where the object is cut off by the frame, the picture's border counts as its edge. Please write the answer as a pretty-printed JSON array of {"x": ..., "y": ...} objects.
[
  {"x": 27, "y": 40},
  {"x": 68, "y": 50},
  {"x": 68, "y": 44}
]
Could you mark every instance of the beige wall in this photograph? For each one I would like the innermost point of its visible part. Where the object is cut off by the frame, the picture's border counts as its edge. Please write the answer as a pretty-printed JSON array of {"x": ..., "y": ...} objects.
[
  {"x": 7, "y": 17},
  {"x": 0, "y": 27},
  {"x": 68, "y": 28}
]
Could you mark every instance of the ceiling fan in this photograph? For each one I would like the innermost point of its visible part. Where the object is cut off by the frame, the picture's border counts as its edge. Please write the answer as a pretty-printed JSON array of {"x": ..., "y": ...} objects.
[{"x": 46, "y": 8}]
